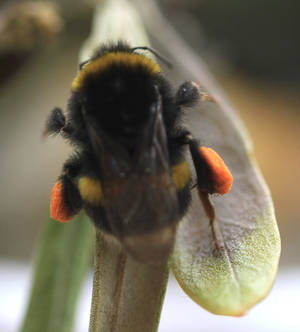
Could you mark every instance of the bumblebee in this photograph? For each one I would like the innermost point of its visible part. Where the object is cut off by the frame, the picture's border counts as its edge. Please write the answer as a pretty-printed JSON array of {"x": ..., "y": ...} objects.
[{"x": 130, "y": 169}]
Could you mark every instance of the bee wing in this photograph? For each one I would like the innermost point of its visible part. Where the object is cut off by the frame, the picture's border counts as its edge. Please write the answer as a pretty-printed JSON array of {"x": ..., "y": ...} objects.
[
  {"x": 141, "y": 207},
  {"x": 143, "y": 216}
]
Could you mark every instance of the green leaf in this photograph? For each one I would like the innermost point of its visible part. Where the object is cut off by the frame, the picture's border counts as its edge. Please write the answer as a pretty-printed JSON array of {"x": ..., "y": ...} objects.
[
  {"x": 242, "y": 273},
  {"x": 233, "y": 280},
  {"x": 63, "y": 258}
]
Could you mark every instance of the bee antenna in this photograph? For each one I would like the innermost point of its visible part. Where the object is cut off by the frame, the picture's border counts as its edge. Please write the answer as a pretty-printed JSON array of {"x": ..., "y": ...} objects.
[{"x": 159, "y": 56}]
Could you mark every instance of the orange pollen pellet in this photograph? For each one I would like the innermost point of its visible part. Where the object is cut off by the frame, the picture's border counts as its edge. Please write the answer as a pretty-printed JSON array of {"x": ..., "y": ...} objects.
[
  {"x": 221, "y": 176},
  {"x": 58, "y": 208}
]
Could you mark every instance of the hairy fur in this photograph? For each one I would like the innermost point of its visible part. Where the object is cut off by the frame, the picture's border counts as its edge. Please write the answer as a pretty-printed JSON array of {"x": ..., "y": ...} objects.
[{"x": 116, "y": 97}]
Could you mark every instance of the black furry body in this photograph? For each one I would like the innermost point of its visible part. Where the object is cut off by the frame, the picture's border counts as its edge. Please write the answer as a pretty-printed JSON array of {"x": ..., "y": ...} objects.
[{"x": 117, "y": 100}]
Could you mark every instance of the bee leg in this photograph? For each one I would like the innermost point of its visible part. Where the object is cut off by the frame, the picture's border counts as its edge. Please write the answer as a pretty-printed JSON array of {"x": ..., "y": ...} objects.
[
  {"x": 205, "y": 185},
  {"x": 55, "y": 122},
  {"x": 65, "y": 198},
  {"x": 211, "y": 214},
  {"x": 189, "y": 93}
]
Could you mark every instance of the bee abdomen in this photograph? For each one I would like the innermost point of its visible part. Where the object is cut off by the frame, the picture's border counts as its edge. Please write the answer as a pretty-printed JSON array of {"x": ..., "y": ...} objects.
[{"x": 90, "y": 190}]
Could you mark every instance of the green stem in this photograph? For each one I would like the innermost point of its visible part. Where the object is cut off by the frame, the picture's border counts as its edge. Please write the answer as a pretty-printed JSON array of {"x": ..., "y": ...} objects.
[
  {"x": 116, "y": 261},
  {"x": 62, "y": 262},
  {"x": 127, "y": 295}
]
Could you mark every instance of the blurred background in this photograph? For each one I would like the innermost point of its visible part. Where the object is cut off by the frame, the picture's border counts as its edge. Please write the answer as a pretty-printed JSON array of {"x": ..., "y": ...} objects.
[{"x": 252, "y": 48}]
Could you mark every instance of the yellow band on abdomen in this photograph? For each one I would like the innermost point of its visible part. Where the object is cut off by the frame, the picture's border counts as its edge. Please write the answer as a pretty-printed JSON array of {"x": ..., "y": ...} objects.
[
  {"x": 90, "y": 190},
  {"x": 181, "y": 175}
]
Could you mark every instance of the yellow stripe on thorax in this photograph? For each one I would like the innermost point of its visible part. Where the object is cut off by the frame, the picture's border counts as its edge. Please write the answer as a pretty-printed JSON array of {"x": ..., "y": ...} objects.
[
  {"x": 181, "y": 175},
  {"x": 90, "y": 190},
  {"x": 130, "y": 60}
]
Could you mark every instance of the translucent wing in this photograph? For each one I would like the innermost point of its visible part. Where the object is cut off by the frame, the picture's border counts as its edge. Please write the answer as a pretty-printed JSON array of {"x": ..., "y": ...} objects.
[{"x": 140, "y": 199}]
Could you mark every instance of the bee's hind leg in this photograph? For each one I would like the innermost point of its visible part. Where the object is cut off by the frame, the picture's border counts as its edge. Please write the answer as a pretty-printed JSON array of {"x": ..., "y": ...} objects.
[{"x": 65, "y": 198}]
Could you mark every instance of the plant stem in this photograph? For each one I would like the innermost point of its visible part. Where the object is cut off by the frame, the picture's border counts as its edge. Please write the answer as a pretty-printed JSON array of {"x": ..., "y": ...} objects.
[
  {"x": 63, "y": 259},
  {"x": 127, "y": 295},
  {"x": 108, "y": 282}
]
